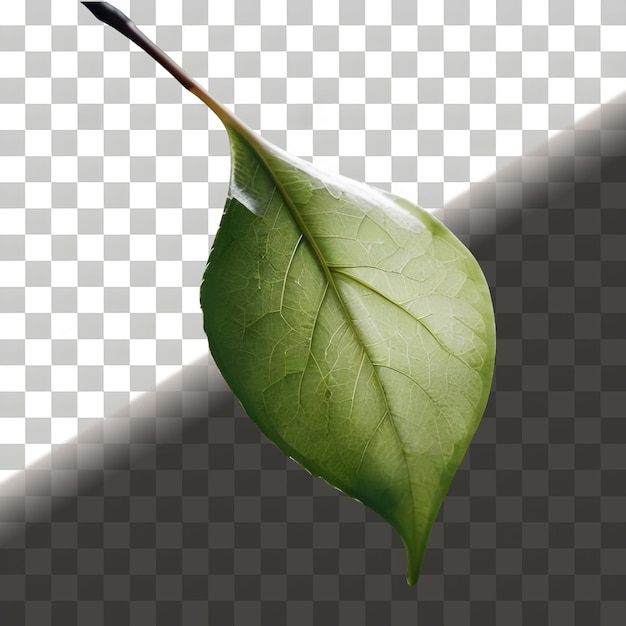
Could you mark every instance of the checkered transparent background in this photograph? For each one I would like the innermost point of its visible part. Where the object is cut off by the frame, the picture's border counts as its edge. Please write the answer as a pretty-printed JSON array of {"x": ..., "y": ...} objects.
[{"x": 184, "y": 519}]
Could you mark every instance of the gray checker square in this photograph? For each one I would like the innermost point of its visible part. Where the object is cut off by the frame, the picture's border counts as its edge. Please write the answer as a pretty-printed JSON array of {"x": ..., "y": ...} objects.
[{"x": 176, "y": 509}]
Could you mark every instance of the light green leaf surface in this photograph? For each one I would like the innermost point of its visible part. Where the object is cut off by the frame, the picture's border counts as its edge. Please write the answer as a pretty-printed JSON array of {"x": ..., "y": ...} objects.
[{"x": 354, "y": 328}]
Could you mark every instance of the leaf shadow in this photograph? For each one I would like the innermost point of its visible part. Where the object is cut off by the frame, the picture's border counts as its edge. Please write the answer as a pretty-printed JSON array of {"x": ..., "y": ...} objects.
[{"x": 189, "y": 441}]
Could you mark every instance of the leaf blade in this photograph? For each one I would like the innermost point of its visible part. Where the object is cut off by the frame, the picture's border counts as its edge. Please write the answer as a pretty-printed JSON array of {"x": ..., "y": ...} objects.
[{"x": 357, "y": 332}]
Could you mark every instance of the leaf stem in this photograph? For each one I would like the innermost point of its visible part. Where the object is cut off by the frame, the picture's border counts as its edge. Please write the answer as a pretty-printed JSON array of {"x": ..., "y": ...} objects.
[{"x": 115, "y": 18}]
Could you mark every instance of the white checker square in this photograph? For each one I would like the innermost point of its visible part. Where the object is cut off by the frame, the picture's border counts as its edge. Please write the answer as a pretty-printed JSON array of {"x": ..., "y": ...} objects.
[
  {"x": 535, "y": 116},
  {"x": 509, "y": 142},
  {"x": 378, "y": 117},
  {"x": 535, "y": 12},
  {"x": 482, "y": 64},
  {"x": 247, "y": 38},
  {"x": 12, "y": 377},
  {"x": 248, "y": 91},
  {"x": 273, "y": 64},
  {"x": 142, "y": 195},
  {"x": 430, "y": 64},
  {"x": 376, "y": 12},
  {"x": 326, "y": 64},
  {"x": 456, "y": 38},
  {"x": 12, "y": 326},
  {"x": 351, "y": 38},
  {"x": 300, "y": 90},
  {"x": 588, "y": 13},
  {"x": 509, "y": 90},
  {"x": 63, "y": 378},
  {"x": 430, "y": 117},
  {"x": 91, "y": 299},
  {"x": 90, "y": 404},
  {"x": 116, "y": 168},
  {"x": 62, "y": 274},
  {"x": 38, "y": 247},
  {"x": 404, "y": 91},
  {"x": 482, "y": 167},
  {"x": 64, "y": 116},
  {"x": 169, "y": 169},
  {"x": 535, "y": 64},
  {"x": 561, "y": 38},
  {"x": 404, "y": 143},
  {"x": 115, "y": 274},
  {"x": 324, "y": 13},
  {"x": 195, "y": 195},
  {"x": 612, "y": 37},
  {"x": 300, "y": 142},
  {"x": 168, "y": 117},
  {"x": 273, "y": 116},
  {"x": 430, "y": 13},
  {"x": 38, "y": 299},
  {"x": 215, "y": 217},
  {"x": 116, "y": 377},
  {"x": 169, "y": 221},
  {"x": 561, "y": 90},
  {"x": 169, "y": 326},
  {"x": 483, "y": 12},
  {"x": 456, "y": 143},
  {"x": 37, "y": 403},
  {"x": 38, "y": 90},
  {"x": 222, "y": 13},
  {"x": 90, "y": 195},
  {"x": 168, "y": 273},
  {"x": 142, "y": 352},
  {"x": 13, "y": 64},
  {"x": 116, "y": 326},
  {"x": 116, "y": 64},
  {"x": 325, "y": 116},
  {"x": 142, "y": 90},
  {"x": 116, "y": 222},
  {"x": 13, "y": 116},
  {"x": 378, "y": 64},
  {"x": 142, "y": 299},
  {"x": 168, "y": 12},
  {"x": 351, "y": 91},
  {"x": 299, "y": 38},
  {"x": 89, "y": 352},
  {"x": 37, "y": 37},
  {"x": 34, "y": 452},
  {"x": 64, "y": 64},
  {"x": 38, "y": 352},
  {"x": 351, "y": 143},
  {"x": 36, "y": 196},
  {"x": 195, "y": 38},
  {"x": 63, "y": 429},
  {"x": 64, "y": 169},
  {"x": 403, "y": 38},
  {"x": 89, "y": 143},
  {"x": 483, "y": 117},
  {"x": 12, "y": 169},
  {"x": 588, "y": 64},
  {"x": 90, "y": 38},
  {"x": 430, "y": 169},
  {"x": 509, "y": 38},
  {"x": 90, "y": 90},
  {"x": 13, "y": 273},
  {"x": 456, "y": 90}
]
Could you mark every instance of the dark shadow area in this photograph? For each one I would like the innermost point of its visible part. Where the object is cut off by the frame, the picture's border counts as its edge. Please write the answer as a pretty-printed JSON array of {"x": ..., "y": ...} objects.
[{"x": 177, "y": 511}]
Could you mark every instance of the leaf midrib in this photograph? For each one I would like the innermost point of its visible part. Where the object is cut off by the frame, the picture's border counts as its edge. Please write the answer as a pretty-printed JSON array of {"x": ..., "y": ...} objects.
[{"x": 257, "y": 145}]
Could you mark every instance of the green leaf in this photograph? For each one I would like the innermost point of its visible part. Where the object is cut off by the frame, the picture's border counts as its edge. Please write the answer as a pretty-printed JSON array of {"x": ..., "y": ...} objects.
[{"x": 355, "y": 330}]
